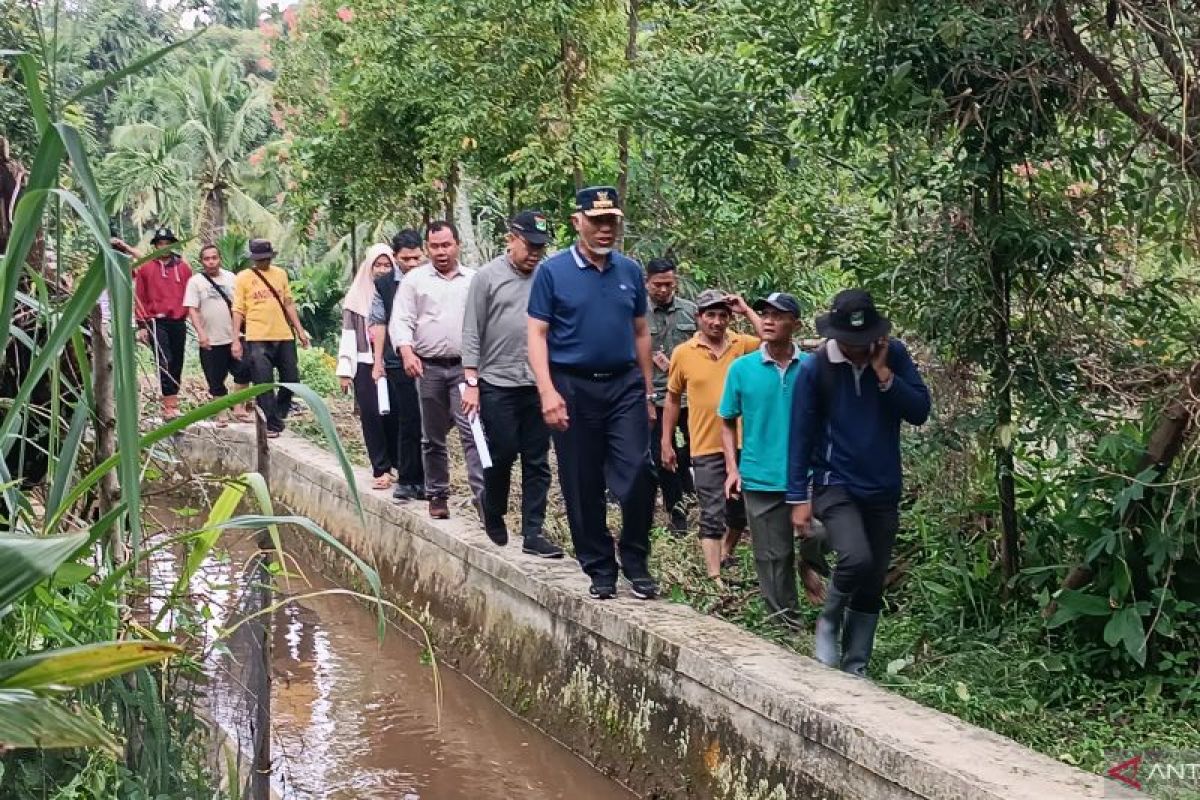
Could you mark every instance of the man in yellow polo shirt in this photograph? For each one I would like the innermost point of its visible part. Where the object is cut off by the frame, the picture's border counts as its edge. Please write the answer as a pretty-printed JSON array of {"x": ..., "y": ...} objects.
[
  {"x": 698, "y": 368},
  {"x": 262, "y": 299}
]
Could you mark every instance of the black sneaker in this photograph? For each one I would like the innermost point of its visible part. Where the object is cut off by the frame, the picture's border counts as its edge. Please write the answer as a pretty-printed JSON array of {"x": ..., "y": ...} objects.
[
  {"x": 603, "y": 590},
  {"x": 541, "y": 547},
  {"x": 644, "y": 587},
  {"x": 497, "y": 533}
]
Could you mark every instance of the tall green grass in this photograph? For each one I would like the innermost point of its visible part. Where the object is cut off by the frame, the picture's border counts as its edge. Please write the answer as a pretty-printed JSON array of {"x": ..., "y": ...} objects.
[{"x": 68, "y": 563}]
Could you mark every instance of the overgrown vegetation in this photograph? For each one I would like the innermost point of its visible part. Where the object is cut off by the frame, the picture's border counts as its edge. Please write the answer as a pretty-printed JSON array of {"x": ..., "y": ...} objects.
[
  {"x": 1025, "y": 216},
  {"x": 1014, "y": 180},
  {"x": 75, "y": 615}
]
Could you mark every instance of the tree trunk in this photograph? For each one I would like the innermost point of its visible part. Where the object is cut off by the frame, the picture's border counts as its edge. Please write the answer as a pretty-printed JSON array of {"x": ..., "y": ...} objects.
[
  {"x": 450, "y": 196},
  {"x": 572, "y": 71},
  {"x": 12, "y": 178},
  {"x": 216, "y": 211},
  {"x": 106, "y": 425},
  {"x": 999, "y": 277},
  {"x": 469, "y": 252},
  {"x": 631, "y": 31}
]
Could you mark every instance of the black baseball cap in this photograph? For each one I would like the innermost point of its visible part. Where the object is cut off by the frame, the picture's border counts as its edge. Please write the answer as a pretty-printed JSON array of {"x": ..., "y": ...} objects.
[
  {"x": 532, "y": 226},
  {"x": 853, "y": 319},
  {"x": 598, "y": 201},
  {"x": 780, "y": 301}
]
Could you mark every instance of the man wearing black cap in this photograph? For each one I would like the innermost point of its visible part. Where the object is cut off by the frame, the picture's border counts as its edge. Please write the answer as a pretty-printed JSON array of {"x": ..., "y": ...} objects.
[
  {"x": 262, "y": 301},
  {"x": 501, "y": 387},
  {"x": 159, "y": 286},
  {"x": 589, "y": 347},
  {"x": 845, "y": 439},
  {"x": 758, "y": 393}
]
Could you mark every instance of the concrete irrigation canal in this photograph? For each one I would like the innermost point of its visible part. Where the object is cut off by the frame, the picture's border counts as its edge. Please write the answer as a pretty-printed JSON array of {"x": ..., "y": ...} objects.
[{"x": 664, "y": 701}]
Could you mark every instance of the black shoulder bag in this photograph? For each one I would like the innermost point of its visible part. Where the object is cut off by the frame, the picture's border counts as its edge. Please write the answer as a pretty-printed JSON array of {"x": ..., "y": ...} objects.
[{"x": 278, "y": 299}]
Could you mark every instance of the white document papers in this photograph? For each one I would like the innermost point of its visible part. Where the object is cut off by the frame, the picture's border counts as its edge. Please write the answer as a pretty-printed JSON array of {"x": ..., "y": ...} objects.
[
  {"x": 384, "y": 399},
  {"x": 485, "y": 455}
]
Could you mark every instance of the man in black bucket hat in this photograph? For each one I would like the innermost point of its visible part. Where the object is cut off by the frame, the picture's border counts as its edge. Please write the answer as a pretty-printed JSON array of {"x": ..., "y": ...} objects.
[{"x": 849, "y": 402}]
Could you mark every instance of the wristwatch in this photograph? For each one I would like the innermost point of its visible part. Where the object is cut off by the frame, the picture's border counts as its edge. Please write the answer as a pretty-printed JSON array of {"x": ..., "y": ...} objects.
[{"x": 472, "y": 382}]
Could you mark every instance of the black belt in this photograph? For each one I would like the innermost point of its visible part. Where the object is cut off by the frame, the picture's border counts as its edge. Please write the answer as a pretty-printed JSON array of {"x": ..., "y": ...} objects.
[
  {"x": 608, "y": 374},
  {"x": 443, "y": 362}
]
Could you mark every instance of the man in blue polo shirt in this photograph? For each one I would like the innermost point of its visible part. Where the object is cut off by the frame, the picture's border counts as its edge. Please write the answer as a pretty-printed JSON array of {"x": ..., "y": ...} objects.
[
  {"x": 589, "y": 347},
  {"x": 758, "y": 391}
]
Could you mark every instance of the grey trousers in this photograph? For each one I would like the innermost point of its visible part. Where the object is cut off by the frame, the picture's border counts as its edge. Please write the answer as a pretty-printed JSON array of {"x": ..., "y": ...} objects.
[
  {"x": 441, "y": 408},
  {"x": 774, "y": 544}
]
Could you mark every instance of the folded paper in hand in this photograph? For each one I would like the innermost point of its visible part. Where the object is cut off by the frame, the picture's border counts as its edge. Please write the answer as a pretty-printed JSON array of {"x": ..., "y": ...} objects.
[
  {"x": 381, "y": 391},
  {"x": 485, "y": 455}
]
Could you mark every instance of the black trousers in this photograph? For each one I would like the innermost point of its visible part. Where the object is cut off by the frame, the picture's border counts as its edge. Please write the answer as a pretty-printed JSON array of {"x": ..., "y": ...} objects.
[
  {"x": 512, "y": 420},
  {"x": 606, "y": 446},
  {"x": 218, "y": 363},
  {"x": 169, "y": 339},
  {"x": 380, "y": 432},
  {"x": 406, "y": 408},
  {"x": 863, "y": 535},
  {"x": 673, "y": 484},
  {"x": 267, "y": 358}
]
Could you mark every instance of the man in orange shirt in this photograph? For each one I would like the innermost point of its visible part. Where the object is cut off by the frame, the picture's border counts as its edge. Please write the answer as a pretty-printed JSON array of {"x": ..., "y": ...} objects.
[{"x": 698, "y": 368}]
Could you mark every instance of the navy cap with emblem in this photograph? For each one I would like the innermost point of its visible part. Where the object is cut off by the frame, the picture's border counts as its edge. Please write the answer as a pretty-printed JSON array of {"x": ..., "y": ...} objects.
[
  {"x": 780, "y": 301},
  {"x": 853, "y": 319},
  {"x": 598, "y": 201},
  {"x": 531, "y": 226}
]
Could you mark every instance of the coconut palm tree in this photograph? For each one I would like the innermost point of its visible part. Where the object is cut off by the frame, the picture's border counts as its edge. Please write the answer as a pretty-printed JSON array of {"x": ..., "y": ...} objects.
[
  {"x": 215, "y": 118},
  {"x": 149, "y": 173}
]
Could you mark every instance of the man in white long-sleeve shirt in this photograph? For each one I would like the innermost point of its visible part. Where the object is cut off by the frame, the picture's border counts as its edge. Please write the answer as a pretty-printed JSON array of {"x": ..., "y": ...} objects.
[{"x": 426, "y": 329}]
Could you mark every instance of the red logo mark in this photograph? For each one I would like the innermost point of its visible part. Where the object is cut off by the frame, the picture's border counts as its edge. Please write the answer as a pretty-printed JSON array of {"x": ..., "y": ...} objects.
[{"x": 1126, "y": 772}]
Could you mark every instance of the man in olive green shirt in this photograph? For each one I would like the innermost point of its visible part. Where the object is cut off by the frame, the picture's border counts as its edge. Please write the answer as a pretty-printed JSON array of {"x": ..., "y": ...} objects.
[{"x": 672, "y": 322}]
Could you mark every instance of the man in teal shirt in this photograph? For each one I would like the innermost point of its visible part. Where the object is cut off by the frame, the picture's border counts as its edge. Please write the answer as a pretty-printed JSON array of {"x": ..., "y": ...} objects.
[{"x": 758, "y": 391}]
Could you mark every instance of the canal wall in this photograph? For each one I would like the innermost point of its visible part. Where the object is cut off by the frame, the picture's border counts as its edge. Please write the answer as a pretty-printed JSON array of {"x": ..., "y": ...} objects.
[{"x": 673, "y": 703}]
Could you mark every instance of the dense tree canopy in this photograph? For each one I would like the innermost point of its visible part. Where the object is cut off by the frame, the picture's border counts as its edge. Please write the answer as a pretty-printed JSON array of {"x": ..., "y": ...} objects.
[{"x": 1015, "y": 181}]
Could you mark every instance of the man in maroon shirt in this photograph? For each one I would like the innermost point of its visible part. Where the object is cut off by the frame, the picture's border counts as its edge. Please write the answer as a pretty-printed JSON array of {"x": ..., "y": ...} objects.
[{"x": 158, "y": 287}]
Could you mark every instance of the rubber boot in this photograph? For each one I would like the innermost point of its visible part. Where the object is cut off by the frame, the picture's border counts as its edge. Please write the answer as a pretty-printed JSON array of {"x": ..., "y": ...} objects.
[
  {"x": 829, "y": 628},
  {"x": 858, "y": 639}
]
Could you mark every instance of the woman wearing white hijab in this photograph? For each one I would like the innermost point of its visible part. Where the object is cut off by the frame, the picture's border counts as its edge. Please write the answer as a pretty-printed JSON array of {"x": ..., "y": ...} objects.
[{"x": 356, "y": 358}]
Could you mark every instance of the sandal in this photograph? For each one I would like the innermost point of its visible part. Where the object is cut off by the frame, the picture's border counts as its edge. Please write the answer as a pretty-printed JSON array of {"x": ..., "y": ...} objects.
[{"x": 382, "y": 482}]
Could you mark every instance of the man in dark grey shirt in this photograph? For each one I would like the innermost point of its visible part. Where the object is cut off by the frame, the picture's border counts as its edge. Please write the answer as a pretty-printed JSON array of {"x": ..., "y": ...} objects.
[{"x": 501, "y": 387}]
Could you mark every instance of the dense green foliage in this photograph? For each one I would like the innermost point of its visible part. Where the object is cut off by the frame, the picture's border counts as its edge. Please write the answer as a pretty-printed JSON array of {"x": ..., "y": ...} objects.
[
  {"x": 1013, "y": 180},
  {"x": 1030, "y": 238},
  {"x": 79, "y": 608}
]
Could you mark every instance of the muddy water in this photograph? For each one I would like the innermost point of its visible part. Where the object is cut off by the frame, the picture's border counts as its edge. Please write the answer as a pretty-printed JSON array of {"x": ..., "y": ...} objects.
[{"x": 356, "y": 719}]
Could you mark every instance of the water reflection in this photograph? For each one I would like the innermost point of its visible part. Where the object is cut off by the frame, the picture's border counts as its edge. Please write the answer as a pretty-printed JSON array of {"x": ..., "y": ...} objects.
[{"x": 354, "y": 719}]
